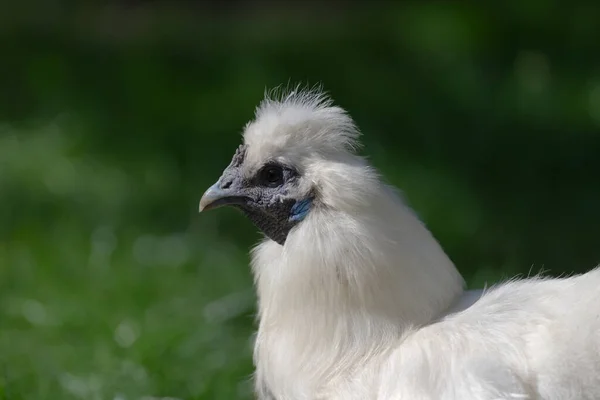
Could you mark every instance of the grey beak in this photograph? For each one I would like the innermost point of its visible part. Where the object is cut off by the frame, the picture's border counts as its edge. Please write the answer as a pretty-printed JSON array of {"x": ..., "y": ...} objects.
[{"x": 215, "y": 197}]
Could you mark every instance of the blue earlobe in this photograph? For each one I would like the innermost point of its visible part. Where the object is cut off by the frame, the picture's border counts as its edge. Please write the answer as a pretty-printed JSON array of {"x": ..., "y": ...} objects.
[{"x": 300, "y": 209}]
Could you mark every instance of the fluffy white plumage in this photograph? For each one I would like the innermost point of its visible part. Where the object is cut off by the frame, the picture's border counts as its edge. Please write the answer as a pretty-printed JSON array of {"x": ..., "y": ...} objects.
[{"x": 361, "y": 302}]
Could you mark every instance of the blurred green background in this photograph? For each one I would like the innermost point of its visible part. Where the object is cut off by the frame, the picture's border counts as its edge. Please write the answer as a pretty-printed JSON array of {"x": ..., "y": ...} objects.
[{"x": 116, "y": 115}]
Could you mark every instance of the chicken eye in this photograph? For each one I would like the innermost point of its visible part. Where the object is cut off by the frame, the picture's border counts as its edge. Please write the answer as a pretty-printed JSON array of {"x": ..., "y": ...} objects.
[{"x": 272, "y": 176}]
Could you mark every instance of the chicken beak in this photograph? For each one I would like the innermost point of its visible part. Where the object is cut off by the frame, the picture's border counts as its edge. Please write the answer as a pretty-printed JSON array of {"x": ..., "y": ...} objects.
[{"x": 215, "y": 197}]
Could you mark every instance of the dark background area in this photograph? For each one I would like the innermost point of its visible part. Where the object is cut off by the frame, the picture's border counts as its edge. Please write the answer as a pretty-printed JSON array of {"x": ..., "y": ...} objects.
[{"x": 115, "y": 116}]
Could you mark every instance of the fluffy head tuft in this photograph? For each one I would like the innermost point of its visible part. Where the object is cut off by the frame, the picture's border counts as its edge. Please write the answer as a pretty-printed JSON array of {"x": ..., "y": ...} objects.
[{"x": 300, "y": 120}]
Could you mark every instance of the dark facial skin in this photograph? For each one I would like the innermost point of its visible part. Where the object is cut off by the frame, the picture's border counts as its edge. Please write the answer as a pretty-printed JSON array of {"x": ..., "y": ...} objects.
[{"x": 268, "y": 197}]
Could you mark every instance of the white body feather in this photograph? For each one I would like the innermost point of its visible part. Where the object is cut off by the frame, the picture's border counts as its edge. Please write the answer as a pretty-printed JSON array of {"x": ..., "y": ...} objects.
[{"x": 362, "y": 302}]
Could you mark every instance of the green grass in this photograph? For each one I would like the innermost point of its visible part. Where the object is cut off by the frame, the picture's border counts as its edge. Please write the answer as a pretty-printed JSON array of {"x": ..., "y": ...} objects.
[{"x": 88, "y": 315}]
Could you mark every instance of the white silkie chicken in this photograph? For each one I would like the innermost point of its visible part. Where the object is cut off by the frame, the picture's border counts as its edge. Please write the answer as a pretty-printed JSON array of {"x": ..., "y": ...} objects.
[{"x": 358, "y": 301}]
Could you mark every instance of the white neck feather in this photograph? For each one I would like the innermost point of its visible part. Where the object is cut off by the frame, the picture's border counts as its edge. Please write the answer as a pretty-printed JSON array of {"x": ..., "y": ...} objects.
[{"x": 353, "y": 276}]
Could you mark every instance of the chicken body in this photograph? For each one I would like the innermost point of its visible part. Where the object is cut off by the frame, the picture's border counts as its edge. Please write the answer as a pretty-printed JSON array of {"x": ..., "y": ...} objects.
[
  {"x": 535, "y": 339},
  {"x": 530, "y": 339}
]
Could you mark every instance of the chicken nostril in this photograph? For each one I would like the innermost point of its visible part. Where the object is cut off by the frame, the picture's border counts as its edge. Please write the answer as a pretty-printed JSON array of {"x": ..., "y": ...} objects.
[{"x": 226, "y": 184}]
